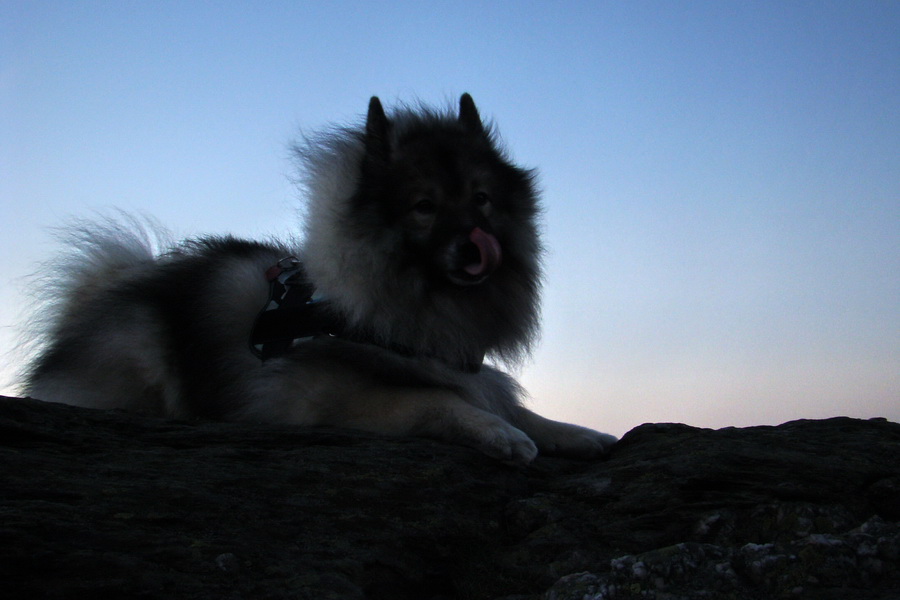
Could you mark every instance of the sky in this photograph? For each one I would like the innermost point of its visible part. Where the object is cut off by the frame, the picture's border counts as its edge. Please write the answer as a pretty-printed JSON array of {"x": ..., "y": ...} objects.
[{"x": 721, "y": 180}]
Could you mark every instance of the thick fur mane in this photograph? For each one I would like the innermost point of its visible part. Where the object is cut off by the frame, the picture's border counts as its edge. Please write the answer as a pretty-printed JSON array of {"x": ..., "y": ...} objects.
[{"x": 354, "y": 264}]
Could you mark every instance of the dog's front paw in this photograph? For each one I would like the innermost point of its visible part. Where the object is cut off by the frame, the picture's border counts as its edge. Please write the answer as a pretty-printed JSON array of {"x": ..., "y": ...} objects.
[
  {"x": 581, "y": 442},
  {"x": 572, "y": 441},
  {"x": 498, "y": 439},
  {"x": 509, "y": 444}
]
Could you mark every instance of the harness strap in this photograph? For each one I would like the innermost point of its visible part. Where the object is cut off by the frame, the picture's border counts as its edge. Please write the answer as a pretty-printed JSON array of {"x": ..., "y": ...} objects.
[{"x": 293, "y": 315}]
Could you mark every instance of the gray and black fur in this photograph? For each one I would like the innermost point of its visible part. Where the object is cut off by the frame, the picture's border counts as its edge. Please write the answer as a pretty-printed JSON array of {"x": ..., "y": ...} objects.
[{"x": 420, "y": 240}]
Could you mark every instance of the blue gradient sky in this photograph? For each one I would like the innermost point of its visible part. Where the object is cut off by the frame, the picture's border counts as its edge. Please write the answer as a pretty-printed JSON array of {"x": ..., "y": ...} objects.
[{"x": 721, "y": 179}]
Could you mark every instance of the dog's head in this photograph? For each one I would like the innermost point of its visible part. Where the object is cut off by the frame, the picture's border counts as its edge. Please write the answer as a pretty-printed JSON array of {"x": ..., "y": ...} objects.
[
  {"x": 423, "y": 234},
  {"x": 459, "y": 210}
]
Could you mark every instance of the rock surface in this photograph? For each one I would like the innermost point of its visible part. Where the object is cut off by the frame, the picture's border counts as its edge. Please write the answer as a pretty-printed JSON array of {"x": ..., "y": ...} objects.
[{"x": 108, "y": 505}]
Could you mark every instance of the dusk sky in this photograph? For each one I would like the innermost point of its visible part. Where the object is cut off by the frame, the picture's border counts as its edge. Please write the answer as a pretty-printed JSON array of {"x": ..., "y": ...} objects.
[{"x": 721, "y": 179}]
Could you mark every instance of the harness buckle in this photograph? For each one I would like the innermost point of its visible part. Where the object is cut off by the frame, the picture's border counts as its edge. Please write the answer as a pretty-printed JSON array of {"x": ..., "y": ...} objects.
[{"x": 283, "y": 269}]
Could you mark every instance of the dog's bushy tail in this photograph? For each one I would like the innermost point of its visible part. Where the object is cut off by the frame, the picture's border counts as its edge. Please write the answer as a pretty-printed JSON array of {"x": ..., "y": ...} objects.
[
  {"x": 96, "y": 253},
  {"x": 93, "y": 256}
]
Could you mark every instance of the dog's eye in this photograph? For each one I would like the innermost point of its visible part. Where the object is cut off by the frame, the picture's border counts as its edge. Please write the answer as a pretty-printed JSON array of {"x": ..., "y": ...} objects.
[
  {"x": 481, "y": 199},
  {"x": 424, "y": 207}
]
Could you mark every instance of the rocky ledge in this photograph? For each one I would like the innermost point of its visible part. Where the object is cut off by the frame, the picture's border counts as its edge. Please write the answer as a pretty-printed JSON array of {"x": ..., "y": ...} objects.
[{"x": 108, "y": 505}]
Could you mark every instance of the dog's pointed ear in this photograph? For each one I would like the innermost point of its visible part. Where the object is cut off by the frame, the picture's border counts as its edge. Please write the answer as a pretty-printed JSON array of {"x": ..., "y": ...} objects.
[
  {"x": 468, "y": 114},
  {"x": 377, "y": 128}
]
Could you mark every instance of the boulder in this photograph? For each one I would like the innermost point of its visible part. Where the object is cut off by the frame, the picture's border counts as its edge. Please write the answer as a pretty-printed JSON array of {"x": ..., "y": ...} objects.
[{"x": 104, "y": 504}]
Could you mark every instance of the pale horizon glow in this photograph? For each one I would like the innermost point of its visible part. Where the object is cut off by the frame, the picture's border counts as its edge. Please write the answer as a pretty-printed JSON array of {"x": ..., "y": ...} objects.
[{"x": 721, "y": 179}]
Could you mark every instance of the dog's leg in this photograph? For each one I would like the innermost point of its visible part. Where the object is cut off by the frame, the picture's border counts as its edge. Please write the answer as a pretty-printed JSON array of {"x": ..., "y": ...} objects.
[
  {"x": 429, "y": 412},
  {"x": 563, "y": 439}
]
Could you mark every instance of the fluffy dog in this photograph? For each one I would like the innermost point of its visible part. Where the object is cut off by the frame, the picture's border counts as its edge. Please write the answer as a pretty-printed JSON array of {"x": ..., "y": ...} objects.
[{"x": 420, "y": 257}]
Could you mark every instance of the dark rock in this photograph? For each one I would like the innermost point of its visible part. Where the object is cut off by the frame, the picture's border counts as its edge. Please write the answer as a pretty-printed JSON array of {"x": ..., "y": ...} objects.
[{"x": 110, "y": 505}]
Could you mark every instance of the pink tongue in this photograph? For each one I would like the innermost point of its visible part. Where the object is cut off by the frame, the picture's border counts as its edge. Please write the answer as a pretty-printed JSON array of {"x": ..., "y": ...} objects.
[{"x": 488, "y": 249}]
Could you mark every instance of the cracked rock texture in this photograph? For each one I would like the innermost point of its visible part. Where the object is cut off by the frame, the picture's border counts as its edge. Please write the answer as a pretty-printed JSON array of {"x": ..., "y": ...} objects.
[{"x": 99, "y": 505}]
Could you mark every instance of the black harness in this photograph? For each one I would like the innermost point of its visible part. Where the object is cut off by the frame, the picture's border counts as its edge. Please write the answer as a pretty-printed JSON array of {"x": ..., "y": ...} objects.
[{"x": 292, "y": 315}]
